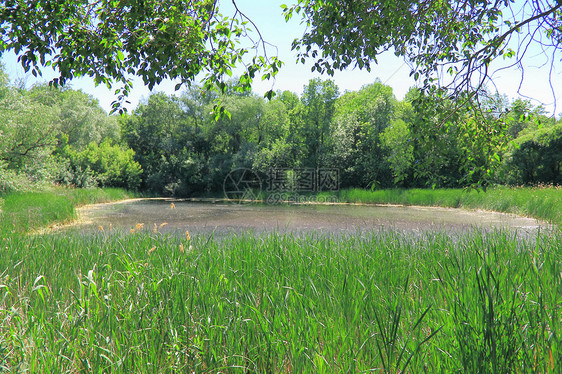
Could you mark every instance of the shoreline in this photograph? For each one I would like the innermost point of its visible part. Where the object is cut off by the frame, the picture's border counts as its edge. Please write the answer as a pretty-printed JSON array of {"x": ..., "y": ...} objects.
[{"x": 210, "y": 200}]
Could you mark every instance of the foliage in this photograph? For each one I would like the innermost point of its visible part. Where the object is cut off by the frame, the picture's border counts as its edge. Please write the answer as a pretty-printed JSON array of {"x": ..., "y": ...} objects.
[
  {"x": 72, "y": 174},
  {"x": 109, "y": 41},
  {"x": 435, "y": 131},
  {"x": 28, "y": 130},
  {"x": 184, "y": 150},
  {"x": 166, "y": 140},
  {"x": 37, "y": 124},
  {"x": 63, "y": 135},
  {"x": 103, "y": 165},
  {"x": 359, "y": 120},
  {"x": 318, "y": 98},
  {"x": 28, "y": 136},
  {"x": 536, "y": 157},
  {"x": 448, "y": 43},
  {"x": 81, "y": 119},
  {"x": 457, "y": 143},
  {"x": 373, "y": 139},
  {"x": 520, "y": 117},
  {"x": 483, "y": 142},
  {"x": 397, "y": 141},
  {"x": 11, "y": 180}
]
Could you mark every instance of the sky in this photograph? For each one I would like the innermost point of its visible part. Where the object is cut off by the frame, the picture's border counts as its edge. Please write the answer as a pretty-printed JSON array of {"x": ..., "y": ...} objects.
[{"x": 293, "y": 76}]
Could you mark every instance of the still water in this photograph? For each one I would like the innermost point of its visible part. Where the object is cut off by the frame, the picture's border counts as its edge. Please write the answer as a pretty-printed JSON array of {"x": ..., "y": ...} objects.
[{"x": 171, "y": 216}]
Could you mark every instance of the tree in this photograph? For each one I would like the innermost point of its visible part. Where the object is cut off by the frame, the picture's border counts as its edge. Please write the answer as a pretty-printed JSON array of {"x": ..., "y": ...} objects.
[
  {"x": 435, "y": 134},
  {"x": 459, "y": 147},
  {"x": 153, "y": 132},
  {"x": 360, "y": 118},
  {"x": 318, "y": 98},
  {"x": 28, "y": 131},
  {"x": 244, "y": 124},
  {"x": 536, "y": 157},
  {"x": 396, "y": 140},
  {"x": 110, "y": 40},
  {"x": 448, "y": 43},
  {"x": 109, "y": 165},
  {"x": 4, "y": 80},
  {"x": 81, "y": 117}
]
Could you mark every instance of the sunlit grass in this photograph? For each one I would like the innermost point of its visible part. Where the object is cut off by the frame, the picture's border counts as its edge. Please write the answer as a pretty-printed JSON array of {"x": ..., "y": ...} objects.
[
  {"x": 22, "y": 211},
  {"x": 538, "y": 202},
  {"x": 124, "y": 301},
  {"x": 391, "y": 303}
]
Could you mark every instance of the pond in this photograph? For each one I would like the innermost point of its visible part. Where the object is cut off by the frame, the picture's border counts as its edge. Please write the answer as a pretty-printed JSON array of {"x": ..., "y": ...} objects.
[{"x": 168, "y": 216}]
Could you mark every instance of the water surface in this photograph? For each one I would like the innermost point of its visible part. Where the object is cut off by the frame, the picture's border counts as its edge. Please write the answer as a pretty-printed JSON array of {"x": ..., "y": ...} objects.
[{"x": 222, "y": 218}]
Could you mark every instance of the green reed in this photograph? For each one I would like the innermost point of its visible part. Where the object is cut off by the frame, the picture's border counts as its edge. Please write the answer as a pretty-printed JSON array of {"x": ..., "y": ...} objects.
[
  {"x": 145, "y": 302},
  {"x": 25, "y": 211},
  {"x": 538, "y": 202}
]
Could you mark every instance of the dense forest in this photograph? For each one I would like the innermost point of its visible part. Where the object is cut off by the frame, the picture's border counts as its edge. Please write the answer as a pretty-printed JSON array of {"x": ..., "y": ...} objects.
[{"x": 175, "y": 145}]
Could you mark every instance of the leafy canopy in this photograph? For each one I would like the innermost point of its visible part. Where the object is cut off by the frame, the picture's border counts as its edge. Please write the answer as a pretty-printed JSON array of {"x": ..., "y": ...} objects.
[
  {"x": 110, "y": 40},
  {"x": 448, "y": 43}
]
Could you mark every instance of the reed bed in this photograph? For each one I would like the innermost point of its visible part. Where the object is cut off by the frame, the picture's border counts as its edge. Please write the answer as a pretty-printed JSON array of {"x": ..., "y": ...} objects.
[
  {"x": 25, "y": 211},
  {"x": 542, "y": 202},
  {"x": 145, "y": 302}
]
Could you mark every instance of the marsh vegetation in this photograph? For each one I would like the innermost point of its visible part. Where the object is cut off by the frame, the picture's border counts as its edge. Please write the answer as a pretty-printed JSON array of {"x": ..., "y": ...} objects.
[{"x": 146, "y": 300}]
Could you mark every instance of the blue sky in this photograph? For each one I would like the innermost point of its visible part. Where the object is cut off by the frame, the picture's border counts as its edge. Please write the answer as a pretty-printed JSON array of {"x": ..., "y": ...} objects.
[{"x": 293, "y": 76}]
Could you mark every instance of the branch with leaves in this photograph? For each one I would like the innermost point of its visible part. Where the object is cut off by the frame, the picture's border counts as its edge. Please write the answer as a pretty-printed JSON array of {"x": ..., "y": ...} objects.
[
  {"x": 448, "y": 44},
  {"x": 111, "y": 41}
]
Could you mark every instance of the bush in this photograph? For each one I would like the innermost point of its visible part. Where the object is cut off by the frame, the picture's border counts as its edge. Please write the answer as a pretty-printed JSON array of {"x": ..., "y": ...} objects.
[
  {"x": 536, "y": 158},
  {"x": 26, "y": 179},
  {"x": 71, "y": 174},
  {"x": 105, "y": 165},
  {"x": 11, "y": 181}
]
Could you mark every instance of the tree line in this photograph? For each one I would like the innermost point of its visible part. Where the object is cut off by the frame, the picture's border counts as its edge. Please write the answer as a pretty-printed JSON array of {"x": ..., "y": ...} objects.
[{"x": 176, "y": 145}]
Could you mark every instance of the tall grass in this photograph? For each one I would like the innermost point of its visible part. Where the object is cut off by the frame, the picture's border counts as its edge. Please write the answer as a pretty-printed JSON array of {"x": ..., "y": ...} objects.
[
  {"x": 144, "y": 302},
  {"x": 538, "y": 202},
  {"x": 22, "y": 211},
  {"x": 390, "y": 303}
]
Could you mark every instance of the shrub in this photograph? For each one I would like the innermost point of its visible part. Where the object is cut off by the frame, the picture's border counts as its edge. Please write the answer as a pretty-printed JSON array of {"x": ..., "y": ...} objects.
[{"x": 106, "y": 165}]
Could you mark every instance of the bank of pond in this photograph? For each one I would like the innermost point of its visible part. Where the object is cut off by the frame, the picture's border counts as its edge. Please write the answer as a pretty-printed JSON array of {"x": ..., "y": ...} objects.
[{"x": 30, "y": 210}]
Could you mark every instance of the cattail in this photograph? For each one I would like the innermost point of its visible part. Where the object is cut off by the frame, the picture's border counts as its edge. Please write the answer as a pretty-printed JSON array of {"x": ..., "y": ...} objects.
[
  {"x": 187, "y": 235},
  {"x": 181, "y": 248}
]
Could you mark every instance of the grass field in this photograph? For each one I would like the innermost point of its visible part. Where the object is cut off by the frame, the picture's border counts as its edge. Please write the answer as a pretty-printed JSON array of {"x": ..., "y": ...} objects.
[{"x": 145, "y": 302}]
